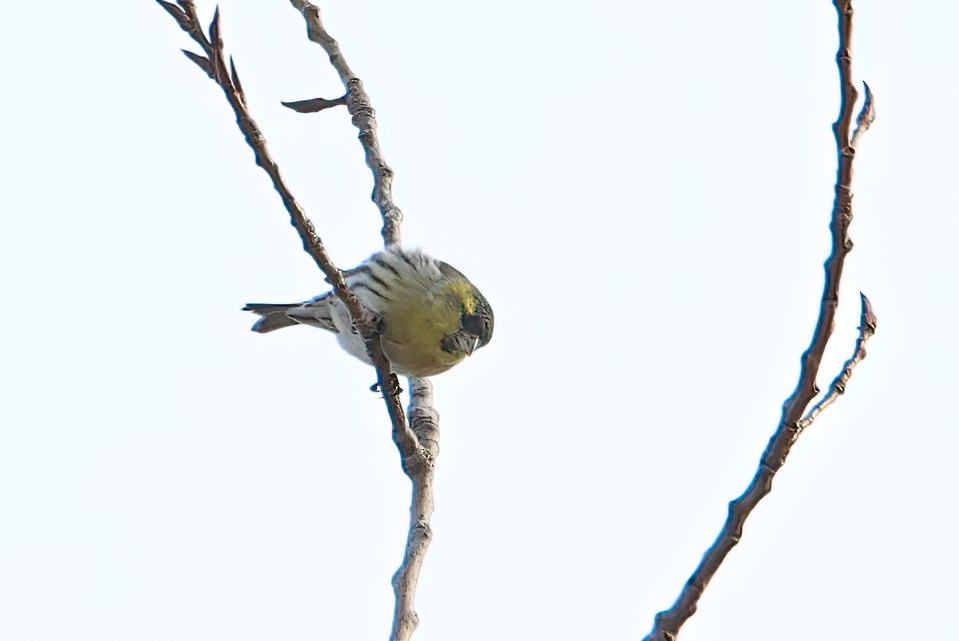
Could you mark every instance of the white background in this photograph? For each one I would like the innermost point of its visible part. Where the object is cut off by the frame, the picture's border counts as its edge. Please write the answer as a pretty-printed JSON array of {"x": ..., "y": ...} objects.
[{"x": 642, "y": 190}]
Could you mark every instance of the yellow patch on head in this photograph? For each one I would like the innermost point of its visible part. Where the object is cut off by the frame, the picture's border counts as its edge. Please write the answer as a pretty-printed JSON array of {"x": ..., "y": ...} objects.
[{"x": 465, "y": 294}]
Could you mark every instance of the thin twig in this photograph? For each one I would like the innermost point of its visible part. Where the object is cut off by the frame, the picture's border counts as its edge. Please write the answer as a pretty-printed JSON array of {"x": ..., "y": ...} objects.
[
  {"x": 419, "y": 453},
  {"x": 213, "y": 63},
  {"x": 364, "y": 118},
  {"x": 867, "y": 327},
  {"x": 667, "y": 623}
]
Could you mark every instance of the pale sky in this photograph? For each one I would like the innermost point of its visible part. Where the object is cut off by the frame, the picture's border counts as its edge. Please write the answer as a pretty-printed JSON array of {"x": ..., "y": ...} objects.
[{"x": 641, "y": 190}]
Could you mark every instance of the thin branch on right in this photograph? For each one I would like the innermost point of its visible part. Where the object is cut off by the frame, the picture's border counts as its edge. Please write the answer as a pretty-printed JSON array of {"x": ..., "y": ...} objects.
[{"x": 798, "y": 411}]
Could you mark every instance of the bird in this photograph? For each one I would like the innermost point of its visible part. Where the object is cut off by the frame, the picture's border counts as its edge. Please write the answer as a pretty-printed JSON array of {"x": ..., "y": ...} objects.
[{"x": 429, "y": 315}]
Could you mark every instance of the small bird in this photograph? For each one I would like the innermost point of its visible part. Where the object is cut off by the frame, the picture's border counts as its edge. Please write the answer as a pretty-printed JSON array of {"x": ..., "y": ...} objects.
[{"x": 429, "y": 315}]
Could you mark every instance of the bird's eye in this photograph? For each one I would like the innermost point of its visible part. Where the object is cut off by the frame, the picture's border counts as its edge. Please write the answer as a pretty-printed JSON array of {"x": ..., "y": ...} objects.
[{"x": 474, "y": 324}]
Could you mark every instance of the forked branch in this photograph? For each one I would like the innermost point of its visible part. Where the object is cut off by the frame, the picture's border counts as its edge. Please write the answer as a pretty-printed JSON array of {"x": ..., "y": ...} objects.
[
  {"x": 867, "y": 327},
  {"x": 792, "y": 422},
  {"x": 418, "y": 440},
  {"x": 419, "y": 463},
  {"x": 364, "y": 119},
  {"x": 213, "y": 63}
]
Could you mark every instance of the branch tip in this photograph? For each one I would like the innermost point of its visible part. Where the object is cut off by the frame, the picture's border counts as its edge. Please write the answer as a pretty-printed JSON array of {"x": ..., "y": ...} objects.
[
  {"x": 866, "y": 115},
  {"x": 201, "y": 61},
  {"x": 869, "y": 322},
  {"x": 214, "y": 29},
  {"x": 235, "y": 78},
  {"x": 178, "y": 14}
]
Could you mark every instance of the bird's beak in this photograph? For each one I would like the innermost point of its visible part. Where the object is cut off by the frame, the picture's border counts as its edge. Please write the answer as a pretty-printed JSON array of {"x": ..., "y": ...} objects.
[{"x": 461, "y": 341}]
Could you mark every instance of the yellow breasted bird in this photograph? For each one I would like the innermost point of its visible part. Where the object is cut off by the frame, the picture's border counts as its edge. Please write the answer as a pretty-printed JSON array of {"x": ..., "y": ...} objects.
[{"x": 430, "y": 316}]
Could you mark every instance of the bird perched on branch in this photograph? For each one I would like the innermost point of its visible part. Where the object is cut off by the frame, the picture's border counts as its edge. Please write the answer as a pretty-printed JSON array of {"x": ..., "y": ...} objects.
[{"x": 429, "y": 315}]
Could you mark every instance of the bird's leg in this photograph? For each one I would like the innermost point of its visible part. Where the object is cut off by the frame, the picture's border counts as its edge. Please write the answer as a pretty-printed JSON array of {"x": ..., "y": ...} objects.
[
  {"x": 394, "y": 381},
  {"x": 394, "y": 384}
]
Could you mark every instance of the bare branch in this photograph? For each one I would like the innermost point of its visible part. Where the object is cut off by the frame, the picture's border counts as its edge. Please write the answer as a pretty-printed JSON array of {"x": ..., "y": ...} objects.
[
  {"x": 215, "y": 67},
  {"x": 420, "y": 449},
  {"x": 364, "y": 119},
  {"x": 425, "y": 423},
  {"x": 867, "y": 327},
  {"x": 667, "y": 623}
]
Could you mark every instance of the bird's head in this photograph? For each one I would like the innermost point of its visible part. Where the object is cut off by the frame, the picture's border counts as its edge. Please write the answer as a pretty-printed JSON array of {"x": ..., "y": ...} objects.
[{"x": 475, "y": 315}]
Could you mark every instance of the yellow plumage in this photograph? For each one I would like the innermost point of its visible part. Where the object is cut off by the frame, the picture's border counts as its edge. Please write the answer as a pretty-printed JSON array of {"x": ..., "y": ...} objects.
[{"x": 430, "y": 316}]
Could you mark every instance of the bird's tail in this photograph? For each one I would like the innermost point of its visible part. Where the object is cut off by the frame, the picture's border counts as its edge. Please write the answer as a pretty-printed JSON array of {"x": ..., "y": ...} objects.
[{"x": 272, "y": 316}]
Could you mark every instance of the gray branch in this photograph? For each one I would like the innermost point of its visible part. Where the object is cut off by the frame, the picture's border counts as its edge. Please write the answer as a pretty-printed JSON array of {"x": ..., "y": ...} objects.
[
  {"x": 425, "y": 423},
  {"x": 364, "y": 118},
  {"x": 667, "y": 623}
]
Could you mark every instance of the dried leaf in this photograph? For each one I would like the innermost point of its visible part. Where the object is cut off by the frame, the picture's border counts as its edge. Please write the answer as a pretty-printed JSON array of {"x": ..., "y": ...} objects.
[{"x": 313, "y": 104}]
